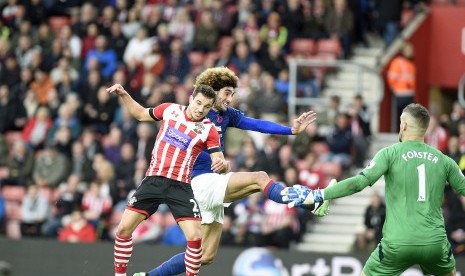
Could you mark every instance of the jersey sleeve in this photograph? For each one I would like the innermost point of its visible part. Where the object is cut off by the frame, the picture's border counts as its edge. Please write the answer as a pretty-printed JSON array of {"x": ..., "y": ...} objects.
[
  {"x": 377, "y": 167},
  {"x": 213, "y": 140},
  {"x": 235, "y": 117},
  {"x": 455, "y": 176},
  {"x": 157, "y": 112}
]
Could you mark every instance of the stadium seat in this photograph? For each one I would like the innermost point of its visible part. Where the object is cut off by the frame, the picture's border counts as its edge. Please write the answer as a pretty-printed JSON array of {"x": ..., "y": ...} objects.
[
  {"x": 13, "y": 193},
  {"x": 329, "y": 46},
  {"x": 302, "y": 46},
  {"x": 57, "y": 22}
]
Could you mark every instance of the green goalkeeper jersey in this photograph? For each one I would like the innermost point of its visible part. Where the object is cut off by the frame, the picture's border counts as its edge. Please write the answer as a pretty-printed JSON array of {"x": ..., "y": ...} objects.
[{"x": 415, "y": 175}]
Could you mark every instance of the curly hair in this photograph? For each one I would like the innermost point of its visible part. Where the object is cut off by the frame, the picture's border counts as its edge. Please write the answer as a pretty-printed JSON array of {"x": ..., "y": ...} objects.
[{"x": 217, "y": 78}]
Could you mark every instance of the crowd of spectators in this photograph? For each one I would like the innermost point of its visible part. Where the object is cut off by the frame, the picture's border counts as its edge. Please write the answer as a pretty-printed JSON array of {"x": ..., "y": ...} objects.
[{"x": 79, "y": 154}]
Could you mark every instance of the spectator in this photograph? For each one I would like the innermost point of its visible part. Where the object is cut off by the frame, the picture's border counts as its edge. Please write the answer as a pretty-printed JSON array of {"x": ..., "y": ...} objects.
[
  {"x": 177, "y": 63},
  {"x": 132, "y": 24},
  {"x": 117, "y": 41},
  {"x": 125, "y": 169},
  {"x": 71, "y": 40},
  {"x": 66, "y": 118},
  {"x": 41, "y": 85},
  {"x": 242, "y": 58},
  {"x": 92, "y": 146},
  {"x": 138, "y": 47},
  {"x": 436, "y": 136},
  {"x": 81, "y": 166},
  {"x": 154, "y": 62},
  {"x": 78, "y": 230},
  {"x": 401, "y": 75},
  {"x": 68, "y": 198},
  {"x": 50, "y": 168},
  {"x": 144, "y": 143},
  {"x": 20, "y": 164},
  {"x": 88, "y": 41},
  {"x": 34, "y": 212},
  {"x": 361, "y": 131},
  {"x": 273, "y": 61},
  {"x": 314, "y": 20},
  {"x": 96, "y": 205},
  {"x": 274, "y": 31},
  {"x": 274, "y": 102},
  {"x": 293, "y": 12},
  {"x": 339, "y": 24},
  {"x": 206, "y": 33},
  {"x": 340, "y": 142},
  {"x": 36, "y": 130},
  {"x": 181, "y": 27},
  {"x": 101, "y": 114},
  {"x": 112, "y": 145},
  {"x": 453, "y": 151},
  {"x": 12, "y": 112},
  {"x": 388, "y": 15},
  {"x": 10, "y": 71},
  {"x": 375, "y": 215},
  {"x": 63, "y": 67},
  {"x": 105, "y": 56},
  {"x": 279, "y": 224}
]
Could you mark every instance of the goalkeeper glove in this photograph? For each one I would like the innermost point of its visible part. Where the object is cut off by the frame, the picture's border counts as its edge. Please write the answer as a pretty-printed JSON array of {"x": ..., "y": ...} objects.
[
  {"x": 299, "y": 195},
  {"x": 323, "y": 209}
]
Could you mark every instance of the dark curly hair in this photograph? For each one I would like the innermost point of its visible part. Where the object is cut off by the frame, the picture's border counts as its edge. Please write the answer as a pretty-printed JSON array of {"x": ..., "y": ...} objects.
[{"x": 217, "y": 78}]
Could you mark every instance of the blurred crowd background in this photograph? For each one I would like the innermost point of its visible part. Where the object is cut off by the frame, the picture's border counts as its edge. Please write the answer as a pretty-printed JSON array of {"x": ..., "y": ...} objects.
[{"x": 71, "y": 154}]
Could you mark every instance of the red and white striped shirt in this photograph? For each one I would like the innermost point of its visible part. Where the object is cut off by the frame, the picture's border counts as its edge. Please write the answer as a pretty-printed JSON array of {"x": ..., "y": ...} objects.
[{"x": 179, "y": 142}]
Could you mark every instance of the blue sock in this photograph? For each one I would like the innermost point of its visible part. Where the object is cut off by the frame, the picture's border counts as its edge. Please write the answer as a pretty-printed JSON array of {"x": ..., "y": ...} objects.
[
  {"x": 173, "y": 266},
  {"x": 273, "y": 191}
]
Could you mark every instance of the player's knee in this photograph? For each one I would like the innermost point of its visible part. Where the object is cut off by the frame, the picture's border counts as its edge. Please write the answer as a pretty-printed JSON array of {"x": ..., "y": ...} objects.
[
  {"x": 262, "y": 179},
  {"x": 124, "y": 230}
]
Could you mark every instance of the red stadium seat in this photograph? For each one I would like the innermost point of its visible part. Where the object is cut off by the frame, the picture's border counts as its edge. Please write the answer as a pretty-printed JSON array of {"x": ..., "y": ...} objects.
[
  {"x": 302, "y": 46},
  {"x": 329, "y": 46},
  {"x": 13, "y": 193},
  {"x": 57, "y": 22}
]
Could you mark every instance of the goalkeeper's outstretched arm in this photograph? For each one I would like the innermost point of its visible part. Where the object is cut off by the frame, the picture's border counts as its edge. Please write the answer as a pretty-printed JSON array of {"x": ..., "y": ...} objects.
[{"x": 347, "y": 187}]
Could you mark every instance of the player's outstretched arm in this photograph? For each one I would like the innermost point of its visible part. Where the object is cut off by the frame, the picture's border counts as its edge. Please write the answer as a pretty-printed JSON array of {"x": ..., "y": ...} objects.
[
  {"x": 138, "y": 111},
  {"x": 269, "y": 127}
]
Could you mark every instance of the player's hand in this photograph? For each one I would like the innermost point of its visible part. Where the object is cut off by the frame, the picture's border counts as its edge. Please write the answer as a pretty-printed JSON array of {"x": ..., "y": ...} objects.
[
  {"x": 301, "y": 123},
  {"x": 118, "y": 89},
  {"x": 220, "y": 165},
  {"x": 323, "y": 209},
  {"x": 299, "y": 195}
]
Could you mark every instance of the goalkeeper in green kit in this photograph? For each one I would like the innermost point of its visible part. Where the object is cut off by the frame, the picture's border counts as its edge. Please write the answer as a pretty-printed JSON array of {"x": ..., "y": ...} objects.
[{"x": 415, "y": 175}]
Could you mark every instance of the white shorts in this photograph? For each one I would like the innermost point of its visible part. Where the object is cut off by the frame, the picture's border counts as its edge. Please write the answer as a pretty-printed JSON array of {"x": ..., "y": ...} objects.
[{"x": 209, "y": 190}]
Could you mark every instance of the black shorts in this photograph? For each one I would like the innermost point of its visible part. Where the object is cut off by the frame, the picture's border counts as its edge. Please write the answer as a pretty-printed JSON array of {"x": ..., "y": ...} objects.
[{"x": 155, "y": 190}]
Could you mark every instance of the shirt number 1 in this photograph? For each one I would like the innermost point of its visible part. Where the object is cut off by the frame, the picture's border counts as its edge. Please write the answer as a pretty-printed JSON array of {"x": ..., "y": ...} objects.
[{"x": 421, "y": 182}]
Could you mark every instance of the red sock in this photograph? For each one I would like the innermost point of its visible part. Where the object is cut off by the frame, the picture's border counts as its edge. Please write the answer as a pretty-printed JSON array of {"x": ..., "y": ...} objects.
[
  {"x": 193, "y": 257},
  {"x": 123, "y": 251}
]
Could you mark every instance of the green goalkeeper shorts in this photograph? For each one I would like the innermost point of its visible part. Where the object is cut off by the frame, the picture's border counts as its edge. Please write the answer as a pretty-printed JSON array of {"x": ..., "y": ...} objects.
[{"x": 389, "y": 259}]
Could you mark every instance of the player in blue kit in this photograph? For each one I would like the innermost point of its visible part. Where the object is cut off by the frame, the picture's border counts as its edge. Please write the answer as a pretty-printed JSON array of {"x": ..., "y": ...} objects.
[{"x": 214, "y": 191}]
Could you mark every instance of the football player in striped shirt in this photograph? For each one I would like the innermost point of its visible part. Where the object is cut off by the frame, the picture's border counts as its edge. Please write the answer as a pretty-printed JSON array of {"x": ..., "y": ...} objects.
[{"x": 184, "y": 134}]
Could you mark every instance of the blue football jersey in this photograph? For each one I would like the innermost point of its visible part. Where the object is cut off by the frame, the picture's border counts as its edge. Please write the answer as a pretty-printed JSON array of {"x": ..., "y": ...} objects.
[{"x": 222, "y": 120}]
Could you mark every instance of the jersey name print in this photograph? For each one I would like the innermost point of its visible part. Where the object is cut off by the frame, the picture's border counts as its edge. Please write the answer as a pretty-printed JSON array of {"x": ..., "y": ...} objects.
[{"x": 179, "y": 142}]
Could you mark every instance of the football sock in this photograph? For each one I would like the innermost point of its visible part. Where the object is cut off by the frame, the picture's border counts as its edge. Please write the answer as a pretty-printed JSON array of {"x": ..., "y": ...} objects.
[
  {"x": 122, "y": 254},
  {"x": 193, "y": 257},
  {"x": 173, "y": 266},
  {"x": 273, "y": 191}
]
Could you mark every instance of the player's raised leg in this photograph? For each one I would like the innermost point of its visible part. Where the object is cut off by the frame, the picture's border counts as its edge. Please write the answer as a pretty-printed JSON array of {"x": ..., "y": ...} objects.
[
  {"x": 123, "y": 241},
  {"x": 243, "y": 184}
]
